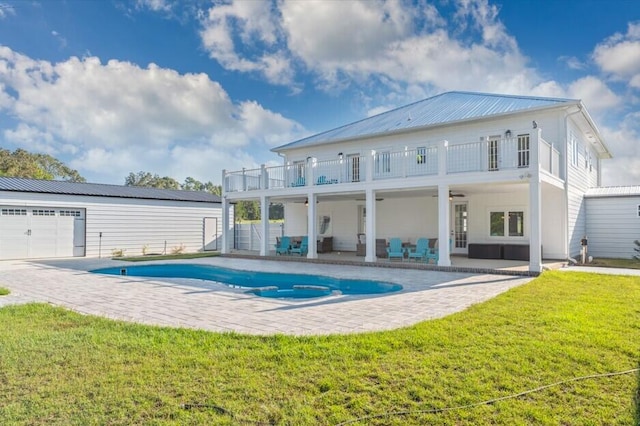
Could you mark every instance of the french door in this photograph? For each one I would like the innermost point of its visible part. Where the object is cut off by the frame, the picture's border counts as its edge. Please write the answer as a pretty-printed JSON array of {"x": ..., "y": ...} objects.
[{"x": 459, "y": 227}]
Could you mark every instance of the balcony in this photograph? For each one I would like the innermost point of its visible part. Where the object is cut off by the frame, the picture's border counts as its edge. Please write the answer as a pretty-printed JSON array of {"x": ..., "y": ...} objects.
[{"x": 491, "y": 155}]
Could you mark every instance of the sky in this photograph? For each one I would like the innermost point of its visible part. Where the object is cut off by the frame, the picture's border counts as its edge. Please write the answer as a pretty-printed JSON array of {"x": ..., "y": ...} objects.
[{"x": 185, "y": 88}]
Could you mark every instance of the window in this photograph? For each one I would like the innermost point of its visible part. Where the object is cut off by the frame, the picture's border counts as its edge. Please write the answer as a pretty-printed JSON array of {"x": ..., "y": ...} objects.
[
  {"x": 14, "y": 212},
  {"x": 516, "y": 224},
  {"x": 638, "y": 210},
  {"x": 497, "y": 224},
  {"x": 493, "y": 153},
  {"x": 523, "y": 150},
  {"x": 573, "y": 142},
  {"x": 74, "y": 213},
  {"x": 507, "y": 223},
  {"x": 43, "y": 212},
  {"x": 421, "y": 157}
]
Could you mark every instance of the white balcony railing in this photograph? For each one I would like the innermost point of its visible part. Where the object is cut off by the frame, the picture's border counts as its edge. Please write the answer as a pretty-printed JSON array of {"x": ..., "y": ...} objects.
[{"x": 487, "y": 155}]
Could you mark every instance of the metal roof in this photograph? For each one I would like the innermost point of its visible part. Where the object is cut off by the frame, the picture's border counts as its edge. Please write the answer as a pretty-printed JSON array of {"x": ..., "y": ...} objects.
[
  {"x": 102, "y": 190},
  {"x": 447, "y": 107},
  {"x": 613, "y": 191}
]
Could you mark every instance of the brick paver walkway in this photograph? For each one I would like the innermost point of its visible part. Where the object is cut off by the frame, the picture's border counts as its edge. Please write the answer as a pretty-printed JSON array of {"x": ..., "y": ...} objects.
[{"x": 212, "y": 306}]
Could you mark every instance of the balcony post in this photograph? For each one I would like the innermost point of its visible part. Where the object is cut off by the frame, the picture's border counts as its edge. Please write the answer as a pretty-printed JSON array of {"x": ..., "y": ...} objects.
[
  {"x": 264, "y": 222},
  {"x": 535, "y": 205},
  {"x": 443, "y": 147},
  {"x": 444, "y": 258},
  {"x": 312, "y": 221},
  {"x": 369, "y": 165},
  {"x": 370, "y": 225},
  {"x": 226, "y": 229},
  {"x": 405, "y": 158},
  {"x": 308, "y": 176},
  {"x": 244, "y": 179},
  {"x": 264, "y": 177},
  {"x": 224, "y": 187}
]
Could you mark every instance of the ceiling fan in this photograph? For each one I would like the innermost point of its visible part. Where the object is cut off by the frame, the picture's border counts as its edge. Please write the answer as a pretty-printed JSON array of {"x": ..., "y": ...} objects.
[{"x": 451, "y": 195}]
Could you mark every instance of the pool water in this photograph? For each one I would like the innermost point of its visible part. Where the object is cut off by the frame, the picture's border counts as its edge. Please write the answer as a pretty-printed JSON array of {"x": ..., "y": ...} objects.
[{"x": 265, "y": 284}]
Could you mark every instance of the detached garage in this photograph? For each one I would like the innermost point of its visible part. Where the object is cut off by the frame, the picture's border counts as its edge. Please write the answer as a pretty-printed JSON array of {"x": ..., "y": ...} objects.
[
  {"x": 40, "y": 219},
  {"x": 613, "y": 221}
]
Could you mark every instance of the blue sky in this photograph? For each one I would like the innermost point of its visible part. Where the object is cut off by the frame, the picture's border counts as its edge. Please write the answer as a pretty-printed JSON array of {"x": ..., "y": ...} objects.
[{"x": 186, "y": 88}]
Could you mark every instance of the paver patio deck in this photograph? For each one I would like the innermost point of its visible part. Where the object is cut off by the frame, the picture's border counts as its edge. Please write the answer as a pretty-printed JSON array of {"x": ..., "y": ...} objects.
[{"x": 216, "y": 307}]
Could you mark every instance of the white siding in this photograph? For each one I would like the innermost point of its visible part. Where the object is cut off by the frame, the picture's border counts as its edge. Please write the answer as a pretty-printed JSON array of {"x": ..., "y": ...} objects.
[
  {"x": 612, "y": 226},
  {"x": 130, "y": 224},
  {"x": 579, "y": 178}
]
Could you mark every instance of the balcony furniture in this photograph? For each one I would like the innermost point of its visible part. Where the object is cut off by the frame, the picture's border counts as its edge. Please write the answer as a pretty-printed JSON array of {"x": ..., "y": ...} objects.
[{"x": 325, "y": 245}]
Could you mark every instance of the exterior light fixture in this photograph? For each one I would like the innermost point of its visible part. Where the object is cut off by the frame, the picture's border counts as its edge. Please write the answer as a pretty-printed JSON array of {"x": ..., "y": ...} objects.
[
  {"x": 535, "y": 124},
  {"x": 340, "y": 155},
  {"x": 507, "y": 134}
]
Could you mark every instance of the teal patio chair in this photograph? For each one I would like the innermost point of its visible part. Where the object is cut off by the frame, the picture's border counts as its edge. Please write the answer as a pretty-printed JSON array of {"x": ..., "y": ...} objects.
[
  {"x": 395, "y": 249},
  {"x": 303, "y": 248},
  {"x": 420, "y": 252},
  {"x": 284, "y": 247},
  {"x": 434, "y": 252}
]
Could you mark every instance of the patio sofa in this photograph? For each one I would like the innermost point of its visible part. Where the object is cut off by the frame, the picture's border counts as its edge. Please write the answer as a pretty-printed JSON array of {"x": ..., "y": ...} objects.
[{"x": 499, "y": 251}]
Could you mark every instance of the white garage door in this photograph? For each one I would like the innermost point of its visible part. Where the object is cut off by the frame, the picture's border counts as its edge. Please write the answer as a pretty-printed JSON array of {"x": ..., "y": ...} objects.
[{"x": 33, "y": 232}]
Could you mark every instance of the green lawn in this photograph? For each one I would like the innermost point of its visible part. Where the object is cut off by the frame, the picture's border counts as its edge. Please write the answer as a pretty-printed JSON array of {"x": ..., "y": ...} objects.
[
  {"x": 58, "y": 367},
  {"x": 4, "y": 291},
  {"x": 616, "y": 263}
]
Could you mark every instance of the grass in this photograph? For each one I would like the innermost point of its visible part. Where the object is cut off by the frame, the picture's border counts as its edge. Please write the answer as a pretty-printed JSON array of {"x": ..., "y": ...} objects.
[
  {"x": 167, "y": 256},
  {"x": 616, "y": 263},
  {"x": 59, "y": 367},
  {"x": 4, "y": 291}
]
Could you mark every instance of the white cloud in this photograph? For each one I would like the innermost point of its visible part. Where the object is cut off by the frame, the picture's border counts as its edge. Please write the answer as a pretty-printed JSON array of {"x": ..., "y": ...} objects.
[
  {"x": 155, "y": 5},
  {"x": 624, "y": 142},
  {"x": 594, "y": 93},
  {"x": 619, "y": 55},
  {"x": 254, "y": 23},
  {"x": 6, "y": 9},
  {"x": 121, "y": 117}
]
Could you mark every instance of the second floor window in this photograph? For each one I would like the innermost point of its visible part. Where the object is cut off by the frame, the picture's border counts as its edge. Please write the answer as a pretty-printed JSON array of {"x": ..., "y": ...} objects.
[
  {"x": 383, "y": 162},
  {"x": 421, "y": 155},
  {"x": 494, "y": 153},
  {"x": 523, "y": 150}
]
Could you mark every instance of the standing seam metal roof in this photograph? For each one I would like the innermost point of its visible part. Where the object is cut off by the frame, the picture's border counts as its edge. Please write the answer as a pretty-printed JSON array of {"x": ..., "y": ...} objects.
[
  {"x": 613, "y": 191},
  {"x": 102, "y": 190},
  {"x": 440, "y": 109}
]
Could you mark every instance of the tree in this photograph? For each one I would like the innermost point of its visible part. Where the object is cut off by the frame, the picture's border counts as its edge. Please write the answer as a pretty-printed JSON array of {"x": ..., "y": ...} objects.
[
  {"x": 148, "y": 180},
  {"x": 23, "y": 164},
  {"x": 191, "y": 184}
]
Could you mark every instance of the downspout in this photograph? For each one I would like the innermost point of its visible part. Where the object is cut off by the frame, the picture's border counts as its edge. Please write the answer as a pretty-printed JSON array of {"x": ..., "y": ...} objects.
[{"x": 566, "y": 177}]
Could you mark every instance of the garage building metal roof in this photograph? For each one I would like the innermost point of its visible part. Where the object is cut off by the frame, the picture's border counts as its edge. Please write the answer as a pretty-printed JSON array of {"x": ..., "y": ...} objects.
[
  {"x": 614, "y": 191},
  {"x": 102, "y": 190}
]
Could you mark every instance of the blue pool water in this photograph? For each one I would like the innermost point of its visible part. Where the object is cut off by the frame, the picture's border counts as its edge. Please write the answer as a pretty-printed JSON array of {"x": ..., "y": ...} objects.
[{"x": 265, "y": 284}]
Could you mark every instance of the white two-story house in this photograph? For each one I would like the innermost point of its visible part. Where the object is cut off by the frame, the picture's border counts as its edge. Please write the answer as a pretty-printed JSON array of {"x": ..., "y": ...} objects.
[{"x": 478, "y": 170}]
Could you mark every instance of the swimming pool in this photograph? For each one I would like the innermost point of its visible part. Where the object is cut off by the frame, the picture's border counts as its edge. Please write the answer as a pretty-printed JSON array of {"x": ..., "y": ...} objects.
[{"x": 265, "y": 284}]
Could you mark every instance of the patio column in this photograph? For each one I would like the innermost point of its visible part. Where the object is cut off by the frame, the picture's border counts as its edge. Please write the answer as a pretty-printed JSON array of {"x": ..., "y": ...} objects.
[
  {"x": 535, "y": 204},
  {"x": 370, "y": 225},
  {"x": 226, "y": 232},
  {"x": 264, "y": 222},
  {"x": 443, "y": 225},
  {"x": 312, "y": 233}
]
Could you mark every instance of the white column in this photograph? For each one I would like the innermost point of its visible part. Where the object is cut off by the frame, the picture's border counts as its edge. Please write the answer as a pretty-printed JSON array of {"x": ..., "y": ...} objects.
[
  {"x": 226, "y": 231},
  {"x": 370, "y": 225},
  {"x": 535, "y": 205},
  {"x": 264, "y": 222},
  {"x": 442, "y": 158},
  {"x": 311, "y": 226},
  {"x": 443, "y": 225}
]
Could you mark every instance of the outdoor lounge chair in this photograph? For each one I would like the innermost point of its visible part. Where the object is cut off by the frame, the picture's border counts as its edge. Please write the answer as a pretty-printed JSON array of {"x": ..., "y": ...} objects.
[
  {"x": 284, "y": 246},
  {"x": 395, "y": 249},
  {"x": 432, "y": 252},
  {"x": 420, "y": 252},
  {"x": 298, "y": 182},
  {"x": 303, "y": 248}
]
